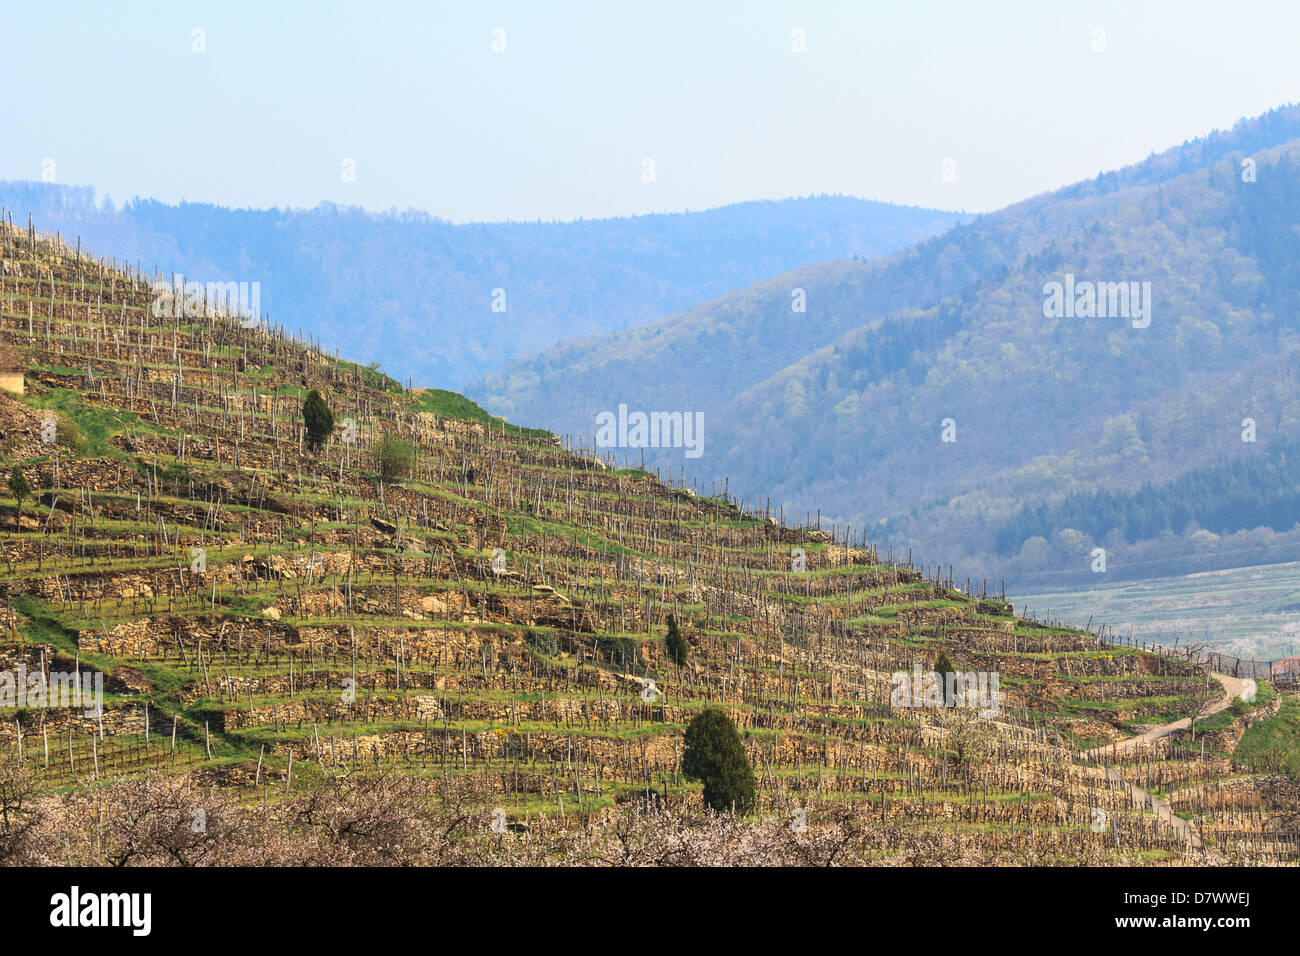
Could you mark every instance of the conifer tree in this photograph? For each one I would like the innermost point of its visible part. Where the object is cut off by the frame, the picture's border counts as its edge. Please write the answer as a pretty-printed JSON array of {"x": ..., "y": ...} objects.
[
  {"x": 21, "y": 489},
  {"x": 677, "y": 646},
  {"x": 317, "y": 418},
  {"x": 715, "y": 755}
]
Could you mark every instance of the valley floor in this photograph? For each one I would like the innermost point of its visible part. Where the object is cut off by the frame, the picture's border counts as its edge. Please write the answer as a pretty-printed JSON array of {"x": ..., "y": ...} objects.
[{"x": 1251, "y": 612}]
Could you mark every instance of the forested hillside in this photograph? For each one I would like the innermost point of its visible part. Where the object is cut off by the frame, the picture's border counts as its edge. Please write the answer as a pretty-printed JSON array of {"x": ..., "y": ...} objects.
[
  {"x": 1250, "y": 492},
  {"x": 843, "y": 407},
  {"x": 442, "y": 303}
]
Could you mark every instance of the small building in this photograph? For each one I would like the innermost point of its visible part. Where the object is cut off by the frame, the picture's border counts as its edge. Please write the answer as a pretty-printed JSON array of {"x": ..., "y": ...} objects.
[{"x": 1287, "y": 667}]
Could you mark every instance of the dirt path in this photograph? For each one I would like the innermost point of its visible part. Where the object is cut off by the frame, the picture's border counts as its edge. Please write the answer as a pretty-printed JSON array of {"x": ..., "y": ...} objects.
[
  {"x": 1233, "y": 688},
  {"x": 1142, "y": 800}
]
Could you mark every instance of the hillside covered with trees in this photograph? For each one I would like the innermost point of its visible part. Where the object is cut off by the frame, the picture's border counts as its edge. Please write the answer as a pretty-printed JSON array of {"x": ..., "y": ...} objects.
[
  {"x": 442, "y": 303},
  {"x": 844, "y": 407}
]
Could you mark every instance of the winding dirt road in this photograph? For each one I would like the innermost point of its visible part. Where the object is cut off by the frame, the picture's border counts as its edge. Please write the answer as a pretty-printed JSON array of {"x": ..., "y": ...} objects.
[{"x": 1233, "y": 688}]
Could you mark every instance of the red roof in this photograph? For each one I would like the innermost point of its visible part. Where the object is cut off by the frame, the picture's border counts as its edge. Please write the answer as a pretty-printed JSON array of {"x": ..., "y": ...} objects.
[{"x": 1287, "y": 665}]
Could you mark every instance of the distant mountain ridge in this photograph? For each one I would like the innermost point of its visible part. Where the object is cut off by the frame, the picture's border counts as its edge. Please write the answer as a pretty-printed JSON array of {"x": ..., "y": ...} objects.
[
  {"x": 443, "y": 303},
  {"x": 841, "y": 407}
]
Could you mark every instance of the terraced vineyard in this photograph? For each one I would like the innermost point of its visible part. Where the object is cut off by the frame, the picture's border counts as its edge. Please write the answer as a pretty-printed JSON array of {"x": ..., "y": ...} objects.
[{"x": 477, "y": 647}]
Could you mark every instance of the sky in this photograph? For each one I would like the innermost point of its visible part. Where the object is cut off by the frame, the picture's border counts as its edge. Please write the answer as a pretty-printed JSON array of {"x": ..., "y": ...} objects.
[{"x": 488, "y": 111}]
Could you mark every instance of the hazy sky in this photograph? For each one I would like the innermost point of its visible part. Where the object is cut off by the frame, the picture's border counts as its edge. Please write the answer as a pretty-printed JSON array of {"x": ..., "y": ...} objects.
[{"x": 560, "y": 124}]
